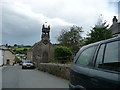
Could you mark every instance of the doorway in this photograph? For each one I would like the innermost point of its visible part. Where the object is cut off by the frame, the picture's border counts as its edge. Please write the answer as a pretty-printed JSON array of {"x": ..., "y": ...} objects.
[
  {"x": 45, "y": 57},
  {"x": 8, "y": 62}
]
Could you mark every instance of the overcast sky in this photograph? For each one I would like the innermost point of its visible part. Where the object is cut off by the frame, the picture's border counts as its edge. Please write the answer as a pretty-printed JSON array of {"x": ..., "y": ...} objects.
[{"x": 22, "y": 19}]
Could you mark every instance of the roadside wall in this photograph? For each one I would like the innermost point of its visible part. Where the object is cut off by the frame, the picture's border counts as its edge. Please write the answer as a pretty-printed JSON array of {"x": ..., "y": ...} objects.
[
  {"x": 59, "y": 70},
  {"x": 1, "y": 58}
]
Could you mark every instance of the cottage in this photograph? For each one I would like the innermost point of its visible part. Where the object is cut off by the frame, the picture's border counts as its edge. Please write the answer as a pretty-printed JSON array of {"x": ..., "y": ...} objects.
[
  {"x": 7, "y": 56},
  {"x": 1, "y": 58}
]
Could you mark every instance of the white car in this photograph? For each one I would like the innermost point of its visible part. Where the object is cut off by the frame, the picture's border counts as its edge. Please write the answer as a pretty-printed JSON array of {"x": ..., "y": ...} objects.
[{"x": 27, "y": 64}]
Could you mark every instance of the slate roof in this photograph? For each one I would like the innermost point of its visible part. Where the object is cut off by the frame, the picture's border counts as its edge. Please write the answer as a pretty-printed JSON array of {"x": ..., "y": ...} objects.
[
  {"x": 115, "y": 28},
  {"x": 2, "y": 47}
]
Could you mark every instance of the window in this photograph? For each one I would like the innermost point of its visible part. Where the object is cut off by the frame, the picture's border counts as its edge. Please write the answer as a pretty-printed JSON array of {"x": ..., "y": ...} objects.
[
  {"x": 100, "y": 56},
  {"x": 85, "y": 56},
  {"x": 111, "y": 52},
  {"x": 111, "y": 57}
]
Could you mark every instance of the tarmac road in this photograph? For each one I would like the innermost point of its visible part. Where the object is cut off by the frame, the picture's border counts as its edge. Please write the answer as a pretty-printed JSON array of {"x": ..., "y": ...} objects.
[{"x": 15, "y": 77}]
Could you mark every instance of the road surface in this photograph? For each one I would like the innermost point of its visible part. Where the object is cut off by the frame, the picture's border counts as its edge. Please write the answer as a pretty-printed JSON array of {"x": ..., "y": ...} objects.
[
  {"x": 15, "y": 77},
  {"x": 0, "y": 78}
]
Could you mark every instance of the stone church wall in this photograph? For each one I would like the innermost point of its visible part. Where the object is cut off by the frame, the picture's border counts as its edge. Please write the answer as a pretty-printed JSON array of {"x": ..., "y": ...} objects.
[{"x": 42, "y": 52}]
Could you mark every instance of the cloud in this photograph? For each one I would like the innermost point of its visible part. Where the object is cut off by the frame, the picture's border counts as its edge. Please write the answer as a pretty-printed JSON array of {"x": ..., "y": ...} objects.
[
  {"x": 25, "y": 10},
  {"x": 119, "y": 11},
  {"x": 22, "y": 19},
  {"x": 0, "y": 24},
  {"x": 20, "y": 24}
]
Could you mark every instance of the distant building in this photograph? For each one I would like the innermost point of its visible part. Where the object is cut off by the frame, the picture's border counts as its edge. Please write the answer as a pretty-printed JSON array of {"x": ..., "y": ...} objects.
[
  {"x": 42, "y": 52},
  {"x": 115, "y": 27},
  {"x": 7, "y": 56},
  {"x": 1, "y": 58}
]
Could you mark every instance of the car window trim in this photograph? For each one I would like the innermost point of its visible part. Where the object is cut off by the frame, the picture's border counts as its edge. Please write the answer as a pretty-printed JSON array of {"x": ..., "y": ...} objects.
[
  {"x": 93, "y": 56},
  {"x": 106, "y": 70},
  {"x": 104, "y": 53},
  {"x": 96, "y": 54}
]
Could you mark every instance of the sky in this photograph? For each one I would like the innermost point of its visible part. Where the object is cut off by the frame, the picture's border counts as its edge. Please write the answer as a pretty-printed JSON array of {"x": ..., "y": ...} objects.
[{"x": 21, "y": 20}]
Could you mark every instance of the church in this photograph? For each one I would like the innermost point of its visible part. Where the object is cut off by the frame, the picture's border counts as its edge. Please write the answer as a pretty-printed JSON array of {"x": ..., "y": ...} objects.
[{"x": 42, "y": 52}]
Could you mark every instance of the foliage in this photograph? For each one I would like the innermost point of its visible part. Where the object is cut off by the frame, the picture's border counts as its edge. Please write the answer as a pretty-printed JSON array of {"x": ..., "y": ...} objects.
[
  {"x": 99, "y": 32},
  {"x": 71, "y": 38},
  {"x": 20, "y": 50},
  {"x": 21, "y": 46},
  {"x": 63, "y": 54},
  {"x": 15, "y": 45},
  {"x": 17, "y": 60}
]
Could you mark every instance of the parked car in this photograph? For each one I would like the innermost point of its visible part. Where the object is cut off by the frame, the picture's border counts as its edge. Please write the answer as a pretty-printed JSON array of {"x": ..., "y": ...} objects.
[
  {"x": 97, "y": 65},
  {"x": 27, "y": 64}
]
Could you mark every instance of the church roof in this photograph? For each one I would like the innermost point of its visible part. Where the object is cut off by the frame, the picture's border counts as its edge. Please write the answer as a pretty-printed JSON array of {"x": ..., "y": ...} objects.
[{"x": 36, "y": 45}]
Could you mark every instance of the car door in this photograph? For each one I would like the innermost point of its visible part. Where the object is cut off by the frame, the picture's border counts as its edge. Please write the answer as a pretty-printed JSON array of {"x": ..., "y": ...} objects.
[
  {"x": 106, "y": 72},
  {"x": 80, "y": 69}
]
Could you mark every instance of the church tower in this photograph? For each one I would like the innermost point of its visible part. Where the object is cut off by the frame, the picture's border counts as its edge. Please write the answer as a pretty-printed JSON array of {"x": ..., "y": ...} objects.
[
  {"x": 45, "y": 33},
  {"x": 43, "y": 51}
]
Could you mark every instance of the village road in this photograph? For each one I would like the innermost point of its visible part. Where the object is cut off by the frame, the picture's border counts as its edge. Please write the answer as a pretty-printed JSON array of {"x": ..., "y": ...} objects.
[{"x": 15, "y": 77}]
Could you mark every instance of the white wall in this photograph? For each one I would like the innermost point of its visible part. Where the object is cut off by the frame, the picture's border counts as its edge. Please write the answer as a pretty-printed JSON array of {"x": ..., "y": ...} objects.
[
  {"x": 8, "y": 55},
  {"x": 1, "y": 58}
]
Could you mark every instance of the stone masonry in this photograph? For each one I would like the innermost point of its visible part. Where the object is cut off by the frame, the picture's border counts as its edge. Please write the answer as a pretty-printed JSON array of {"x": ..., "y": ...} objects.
[{"x": 42, "y": 52}]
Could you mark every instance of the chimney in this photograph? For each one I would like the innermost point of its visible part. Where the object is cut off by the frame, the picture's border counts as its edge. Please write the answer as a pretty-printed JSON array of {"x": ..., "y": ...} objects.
[{"x": 115, "y": 20}]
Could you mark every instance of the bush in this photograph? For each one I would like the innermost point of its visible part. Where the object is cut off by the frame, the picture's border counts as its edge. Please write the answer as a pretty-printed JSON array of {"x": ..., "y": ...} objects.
[
  {"x": 17, "y": 60},
  {"x": 63, "y": 54}
]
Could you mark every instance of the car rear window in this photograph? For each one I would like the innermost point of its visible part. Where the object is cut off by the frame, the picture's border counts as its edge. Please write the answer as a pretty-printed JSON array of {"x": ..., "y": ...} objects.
[{"x": 27, "y": 61}]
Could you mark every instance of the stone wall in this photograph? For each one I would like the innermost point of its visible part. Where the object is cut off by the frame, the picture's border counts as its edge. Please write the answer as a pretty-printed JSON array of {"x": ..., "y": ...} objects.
[
  {"x": 29, "y": 55},
  {"x": 59, "y": 70}
]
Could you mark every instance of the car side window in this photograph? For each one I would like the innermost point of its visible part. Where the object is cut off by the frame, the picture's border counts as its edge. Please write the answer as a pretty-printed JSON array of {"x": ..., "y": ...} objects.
[
  {"x": 111, "y": 61},
  {"x": 111, "y": 52},
  {"x": 100, "y": 56},
  {"x": 85, "y": 56}
]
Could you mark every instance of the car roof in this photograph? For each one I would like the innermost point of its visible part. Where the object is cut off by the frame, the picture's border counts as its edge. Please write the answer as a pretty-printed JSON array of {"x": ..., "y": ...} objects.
[
  {"x": 97, "y": 43},
  {"x": 103, "y": 41}
]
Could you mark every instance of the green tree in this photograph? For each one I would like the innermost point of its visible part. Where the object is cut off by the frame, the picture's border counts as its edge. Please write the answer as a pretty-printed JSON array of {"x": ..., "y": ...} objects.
[
  {"x": 62, "y": 53},
  {"x": 15, "y": 45},
  {"x": 99, "y": 32},
  {"x": 71, "y": 38},
  {"x": 17, "y": 60}
]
